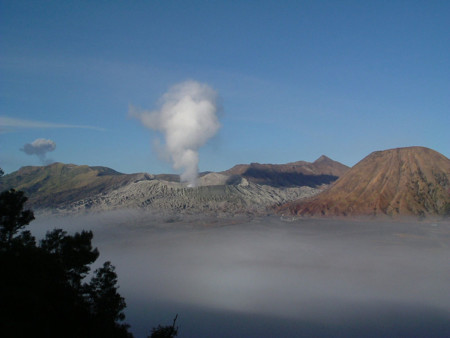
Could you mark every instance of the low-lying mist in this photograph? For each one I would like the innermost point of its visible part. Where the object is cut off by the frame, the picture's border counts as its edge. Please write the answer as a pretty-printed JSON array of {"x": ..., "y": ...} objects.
[{"x": 263, "y": 277}]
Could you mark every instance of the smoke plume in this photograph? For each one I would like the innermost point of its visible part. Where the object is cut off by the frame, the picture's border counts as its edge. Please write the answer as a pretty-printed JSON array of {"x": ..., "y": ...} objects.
[
  {"x": 187, "y": 119},
  {"x": 40, "y": 147}
]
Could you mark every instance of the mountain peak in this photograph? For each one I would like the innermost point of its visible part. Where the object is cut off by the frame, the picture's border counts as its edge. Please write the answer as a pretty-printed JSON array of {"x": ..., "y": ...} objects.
[
  {"x": 323, "y": 158},
  {"x": 401, "y": 181}
]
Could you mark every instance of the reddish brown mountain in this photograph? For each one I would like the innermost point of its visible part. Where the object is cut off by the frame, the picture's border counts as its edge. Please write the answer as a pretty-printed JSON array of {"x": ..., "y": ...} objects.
[
  {"x": 403, "y": 181},
  {"x": 301, "y": 173}
]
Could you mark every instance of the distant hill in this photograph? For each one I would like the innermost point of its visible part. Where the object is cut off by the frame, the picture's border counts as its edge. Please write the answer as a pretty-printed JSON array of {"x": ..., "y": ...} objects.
[
  {"x": 73, "y": 188},
  {"x": 322, "y": 171},
  {"x": 57, "y": 183},
  {"x": 404, "y": 181}
]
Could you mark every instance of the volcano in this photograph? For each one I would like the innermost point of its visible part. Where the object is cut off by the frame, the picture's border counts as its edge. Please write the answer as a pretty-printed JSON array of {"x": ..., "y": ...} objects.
[{"x": 412, "y": 181}]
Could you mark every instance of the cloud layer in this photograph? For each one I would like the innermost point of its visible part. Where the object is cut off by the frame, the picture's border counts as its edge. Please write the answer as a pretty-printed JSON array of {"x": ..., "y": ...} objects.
[
  {"x": 187, "y": 118},
  {"x": 268, "y": 278}
]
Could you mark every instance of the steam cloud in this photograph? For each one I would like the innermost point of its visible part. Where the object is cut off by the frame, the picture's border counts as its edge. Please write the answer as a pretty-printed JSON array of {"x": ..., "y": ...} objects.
[
  {"x": 40, "y": 147},
  {"x": 188, "y": 119}
]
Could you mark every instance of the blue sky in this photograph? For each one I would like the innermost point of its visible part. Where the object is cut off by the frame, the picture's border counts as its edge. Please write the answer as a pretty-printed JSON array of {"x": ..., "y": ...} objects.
[{"x": 296, "y": 79}]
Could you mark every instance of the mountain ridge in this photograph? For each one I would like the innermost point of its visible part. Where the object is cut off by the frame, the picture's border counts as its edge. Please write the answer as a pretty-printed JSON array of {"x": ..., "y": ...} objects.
[
  {"x": 45, "y": 185},
  {"x": 410, "y": 181},
  {"x": 301, "y": 173},
  {"x": 81, "y": 187}
]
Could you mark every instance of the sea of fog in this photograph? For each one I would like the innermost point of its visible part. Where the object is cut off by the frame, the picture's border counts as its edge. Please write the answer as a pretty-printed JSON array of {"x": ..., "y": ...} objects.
[{"x": 264, "y": 277}]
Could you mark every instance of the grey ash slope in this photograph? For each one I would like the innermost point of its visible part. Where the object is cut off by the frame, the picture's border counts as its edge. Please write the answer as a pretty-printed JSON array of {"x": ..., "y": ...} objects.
[
  {"x": 71, "y": 188},
  {"x": 164, "y": 197}
]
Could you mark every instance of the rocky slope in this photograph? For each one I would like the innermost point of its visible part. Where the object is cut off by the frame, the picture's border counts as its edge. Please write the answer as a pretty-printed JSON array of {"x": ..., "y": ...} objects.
[
  {"x": 164, "y": 197},
  {"x": 71, "y": 188},
  {"x": 413, "y": 181},
  {"x": 301, "y": 173}
]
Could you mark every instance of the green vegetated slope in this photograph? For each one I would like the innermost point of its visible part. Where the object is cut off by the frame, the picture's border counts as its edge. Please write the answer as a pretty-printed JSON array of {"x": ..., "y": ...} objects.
[{"x": 57, "y": 183}]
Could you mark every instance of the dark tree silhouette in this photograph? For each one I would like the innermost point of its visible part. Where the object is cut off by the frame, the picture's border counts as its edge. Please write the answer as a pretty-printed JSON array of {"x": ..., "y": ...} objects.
[
  {"x": 43, "y": 292},
  {"x": 106, "y": 302},
  {"x": 12, "y": 216},
  {"x": 168, "y": 331},
  {"x": 73, "y": 253},
  {"x": 42, "y": 288}
]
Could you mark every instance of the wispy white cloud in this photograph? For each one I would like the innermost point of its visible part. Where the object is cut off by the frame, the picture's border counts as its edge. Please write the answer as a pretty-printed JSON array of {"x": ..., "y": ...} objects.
[{"x": 9, "y": 122}]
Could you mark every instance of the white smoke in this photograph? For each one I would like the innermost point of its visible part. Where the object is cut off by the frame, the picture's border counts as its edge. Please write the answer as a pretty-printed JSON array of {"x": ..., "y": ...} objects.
[
  {"x": 188, "y": 119},
  {"x": 40, "y": 147}
]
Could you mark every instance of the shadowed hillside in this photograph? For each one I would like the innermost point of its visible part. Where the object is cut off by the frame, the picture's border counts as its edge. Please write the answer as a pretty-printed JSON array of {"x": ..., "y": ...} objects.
[
  {"x": 301, "y": 173},
  {"x": 405, "y": 181}
]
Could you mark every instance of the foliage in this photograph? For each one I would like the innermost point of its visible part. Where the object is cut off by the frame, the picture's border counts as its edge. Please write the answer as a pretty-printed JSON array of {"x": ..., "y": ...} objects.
[
  {"x": 42, "y": 288},
  {"x": 73, "y": 253},
  {"x": 106, "y": 303},
  {"x": 168, "y": 331},
  {"x": 12, "y": 216}
]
